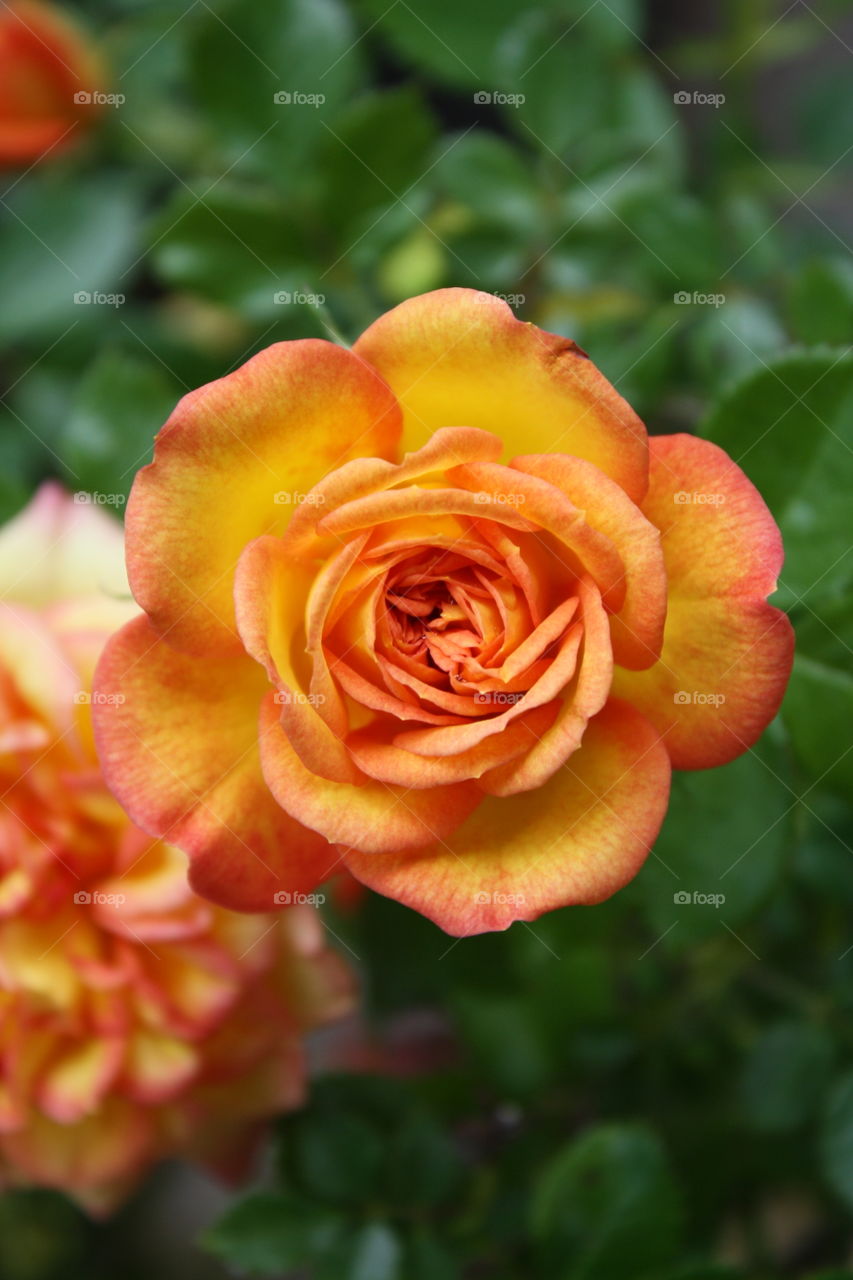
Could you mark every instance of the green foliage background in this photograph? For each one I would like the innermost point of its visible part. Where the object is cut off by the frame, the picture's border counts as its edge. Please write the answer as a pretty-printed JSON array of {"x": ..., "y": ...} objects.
[{"x": 642, "y": 1090}]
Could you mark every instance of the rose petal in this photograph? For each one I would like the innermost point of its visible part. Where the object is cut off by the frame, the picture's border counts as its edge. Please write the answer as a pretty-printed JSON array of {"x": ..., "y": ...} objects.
[
  {"x": 578, "y": 839},
  {"x": 637, "y": 629},
  {"x": 272, "y": 428},
  {"x": 459, "y": 356},
  {"x": 726, "y": 655},
  {"x": 181, "y": 754},
  {"x": 373, "y": 817}
]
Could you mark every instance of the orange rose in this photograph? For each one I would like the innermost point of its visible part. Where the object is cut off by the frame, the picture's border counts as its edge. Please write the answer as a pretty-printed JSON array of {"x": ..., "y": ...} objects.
[
  {"x": 136, "y": 1020},
  {"x": 464, "y": 679},
  {"x": 48, "y": 79}
]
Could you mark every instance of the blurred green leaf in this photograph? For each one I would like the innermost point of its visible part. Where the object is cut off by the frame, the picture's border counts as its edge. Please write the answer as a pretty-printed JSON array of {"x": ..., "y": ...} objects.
[
  {"x": 820, "y": 300},
  {"x": 235, "y": 246},
  {"x": 836, "y": 1143},
  {"x": 818, "y": 712},
  {"x": 65, "y": 246},
  {"x": 784, "y": 1076},
  {"x": 719, "y": 849},
  {"x": 371, "y": 155},
  {"x": 790, "y": 427},
  {"x": 120, "y": 404},
  {"x": 242, "y": 56},
  {"x": 268, "y": 1232},
  {"x": 607, "y": 1207}
]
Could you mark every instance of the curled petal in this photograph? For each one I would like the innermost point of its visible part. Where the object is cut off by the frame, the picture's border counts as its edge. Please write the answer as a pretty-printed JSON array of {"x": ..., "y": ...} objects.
[
  {"x": 578, "y": 839},
  {"x": 726, "y": 654}
]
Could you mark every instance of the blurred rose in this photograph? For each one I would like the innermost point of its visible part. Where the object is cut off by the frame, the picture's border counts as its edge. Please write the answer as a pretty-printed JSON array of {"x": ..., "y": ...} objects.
[
  {"x": 50, "y": 77},
  {"x": 464, "y": 673},
  {"x": 136, "y": 1020}
]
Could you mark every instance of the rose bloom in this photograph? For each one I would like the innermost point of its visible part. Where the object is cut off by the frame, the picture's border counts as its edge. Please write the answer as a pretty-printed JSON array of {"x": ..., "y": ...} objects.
[
  {"x": 44, "y": 62},
  {"x": 438, "y": 610},
  {"x": 136, "y": 1020}
]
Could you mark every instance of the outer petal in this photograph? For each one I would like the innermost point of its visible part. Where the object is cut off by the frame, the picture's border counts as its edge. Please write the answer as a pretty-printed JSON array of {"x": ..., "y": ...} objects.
[
  {"x": 373, "y": 816},
  {"x": 231, "y": 464},
  {"x": 57, "y": 549},
  {"x": 459, "y": 357},
  {"x": 576, "y": 840},
  {"x": 727, "y": 654},
  {"x": 181, "y": 754}
]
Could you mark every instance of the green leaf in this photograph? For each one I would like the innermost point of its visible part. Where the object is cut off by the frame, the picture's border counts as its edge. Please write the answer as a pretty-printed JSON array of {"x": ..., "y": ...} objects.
[
  {"x": 61, "y": 242},
  {"x": 120, "y": 404},
  {"x": 719, "y": 850},
  {"x": 455, "y": 43},
  {"x": 269, "y": 1231},
  {"x": 242, "y": 55},
  {"x": 784, "y": 1076},
  {"x": 836, "y": 1140},
  {"x": 607, "y": 1207},
  {"x": 790, "y": 426},
  {"x": 818, "y": 712},
  {"x": 422, "y": 1165},
  {"x": 334, "y": 1155},
  {"x": 484, "y": 173},
  {"x": 372, "y": 155},
  {"x": 820, "y": 301}
]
